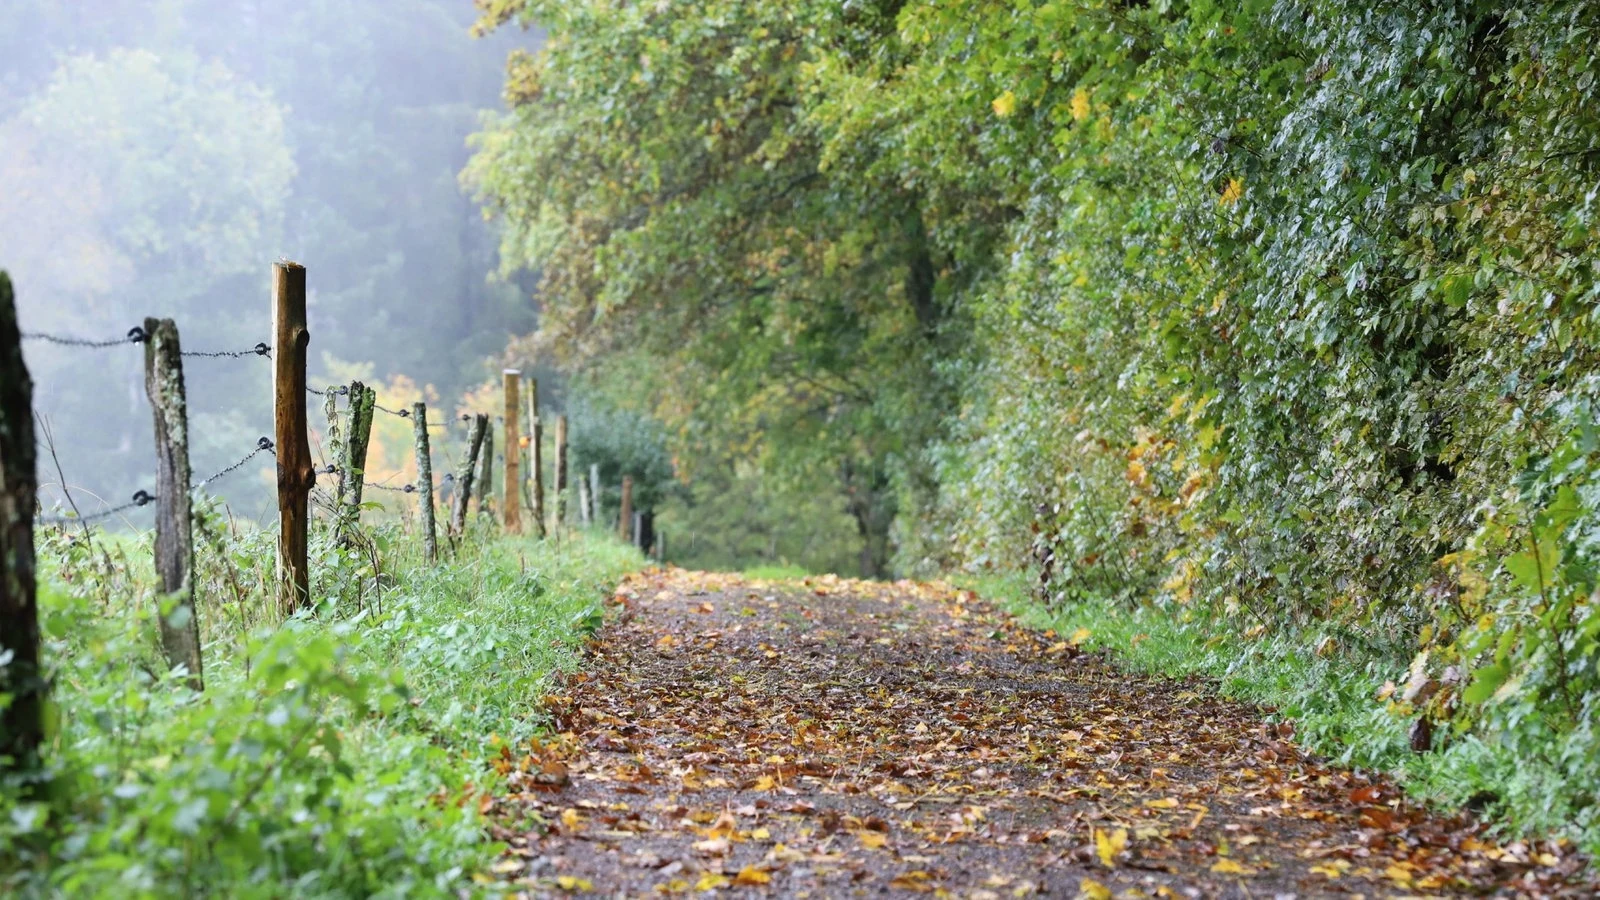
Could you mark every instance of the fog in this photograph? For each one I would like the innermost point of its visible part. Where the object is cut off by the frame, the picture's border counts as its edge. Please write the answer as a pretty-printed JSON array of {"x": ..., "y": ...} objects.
[{"x": 156, "y": 156}]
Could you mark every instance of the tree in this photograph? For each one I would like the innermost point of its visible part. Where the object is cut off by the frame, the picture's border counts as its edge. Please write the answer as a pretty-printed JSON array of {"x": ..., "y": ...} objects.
[
  {"x": 660, "y": 170},
  {"x": 22, "y": 684}
]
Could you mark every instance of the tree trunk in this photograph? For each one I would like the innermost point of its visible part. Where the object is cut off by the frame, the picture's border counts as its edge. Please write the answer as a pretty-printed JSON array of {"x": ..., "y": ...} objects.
[
  {"x": 920, "y": 274},
  {"x": 871, "y": 504},
  {"x": 22, "y": 719}
]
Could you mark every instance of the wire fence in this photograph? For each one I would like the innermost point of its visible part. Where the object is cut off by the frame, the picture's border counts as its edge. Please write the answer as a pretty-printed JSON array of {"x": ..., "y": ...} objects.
[
  {"x": 137, "y": 335},
  {"x": 349, "y": 438},
  {"x": 141, "y": 498}
]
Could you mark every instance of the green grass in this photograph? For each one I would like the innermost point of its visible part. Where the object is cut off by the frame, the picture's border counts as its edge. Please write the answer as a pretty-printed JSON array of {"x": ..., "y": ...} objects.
[
  {"x": 339, "y": 754},
  {"x": 1332, "y": 699},
  {"x": 776, "y": 573}
]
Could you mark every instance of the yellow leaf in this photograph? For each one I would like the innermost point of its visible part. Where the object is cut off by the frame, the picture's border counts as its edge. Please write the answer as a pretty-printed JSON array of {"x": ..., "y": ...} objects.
[
  {"x": 1089, "y": 889},
  {"x": 766, "y": 783},
  {"x": 1166, "y": 803},
  {"x": 1399, "y": 874},
  {"x": 1333, "y": 868},
  {"x": 1108, "y": 844},
  {"x": 570, "y": 820},
  {"x": 917, "y": 880},
  {"x": 1080, "y": 105},
  {"x": 750, "y": 875},
  {"x": 1079, "y": 636},
  {"x": 760, "y": 834},
  {"x": 1005, "y": 104},
  {"x": 1231, "y": 193},
  {"x": 1229, "y": 867},
  {"x": 710, "y": 881},
  {"x": 872, "y": 840},
  {"x": 573, "y": 884}
]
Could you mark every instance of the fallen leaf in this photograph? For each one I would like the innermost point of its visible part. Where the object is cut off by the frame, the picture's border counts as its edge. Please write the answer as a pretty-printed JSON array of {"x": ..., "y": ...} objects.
[
  {"x": 1089, "y": 889},
  {"x": 750, "y": 875},
  {"x": 1229, "y": 867},
  {"x": 1108, "y": 844}
]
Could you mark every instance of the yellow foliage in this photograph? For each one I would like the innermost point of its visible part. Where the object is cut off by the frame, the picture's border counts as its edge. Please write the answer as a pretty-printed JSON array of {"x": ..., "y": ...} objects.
[
  {"x": 1080, "y": 105},
  {"x": 1005, "y": 104}
]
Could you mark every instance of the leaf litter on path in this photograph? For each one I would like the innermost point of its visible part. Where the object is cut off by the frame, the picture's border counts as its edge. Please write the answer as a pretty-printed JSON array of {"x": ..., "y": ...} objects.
[{"x": 839, "y": 738}]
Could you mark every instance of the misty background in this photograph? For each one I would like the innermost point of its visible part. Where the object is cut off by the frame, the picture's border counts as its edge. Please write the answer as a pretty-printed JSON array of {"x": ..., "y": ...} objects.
[{"x": 156, "y": 156}]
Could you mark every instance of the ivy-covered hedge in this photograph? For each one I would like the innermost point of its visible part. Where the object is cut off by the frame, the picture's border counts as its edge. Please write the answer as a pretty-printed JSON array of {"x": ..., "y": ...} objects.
[{"x": 1295, "y": 323}]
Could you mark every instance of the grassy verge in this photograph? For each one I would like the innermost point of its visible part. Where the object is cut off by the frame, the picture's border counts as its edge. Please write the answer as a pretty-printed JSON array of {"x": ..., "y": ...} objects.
[
  {"x": 1332, "y": 699},
  {"x": 775, "y": 573},
  {"x": 338, "y": 754}
]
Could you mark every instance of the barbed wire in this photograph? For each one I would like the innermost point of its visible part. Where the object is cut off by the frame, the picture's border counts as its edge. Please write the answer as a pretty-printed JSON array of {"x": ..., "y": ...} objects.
[
  {"x": 260, "y": 349},
  {"x": 263, "y": 445},
  {"x": 140, "y": 498},
  {"x": 135, "y": 335}
]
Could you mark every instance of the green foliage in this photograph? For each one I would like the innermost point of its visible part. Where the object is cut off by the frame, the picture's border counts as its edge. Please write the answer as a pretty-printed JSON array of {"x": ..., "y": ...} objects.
[
  {"x": 660, "y": 171},
  {"x": 621, "y": 442},
  {"x": 1273, "y": 315},
  {"x": 732, "y": 518},
  {"x": 337, "y": 755}
]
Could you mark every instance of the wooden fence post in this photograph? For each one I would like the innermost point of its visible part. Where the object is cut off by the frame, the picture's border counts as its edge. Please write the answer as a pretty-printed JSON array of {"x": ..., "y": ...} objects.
[
  {"x": 296, "y": 471},
  {"x": 511, "y": 495},
  {"x": 626, "y": 517},
  {"x": 536, "y": 456},
  {"x": 419, "y": 427},
  {"x": 584, "y": 515},
  {"x": 22, "y": 719},
  {"x": 163, "y": 384},
  {"x": 561, "y": 472},
  {"x": 594, "y": 493},
  {"x": 353, "y": 478},
  {"x": 484, "y": 482},
  {"x": 463, "y": 488}
]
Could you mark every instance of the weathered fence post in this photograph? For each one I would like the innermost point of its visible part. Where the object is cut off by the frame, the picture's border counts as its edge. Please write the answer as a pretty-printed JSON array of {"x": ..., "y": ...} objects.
[
  {"x": 163, "y": 384},
  {"x": 584, "y": 514},
  {"x": 22, "y": 719},
  {"x": 419, "y": 426},
  {"x": 463, "y": 487},
  {"x": 536, "y": 456},
  {"x": 352, "y": 479},
  {"x": 296, "y": 471},
  {"x": 485, "y": 479},
  {"x": 594, "y": 493},
  {"x": 626, "y": 516},
  {"x": 561, "y": 472},
  {"x": 511, "y": 496}
]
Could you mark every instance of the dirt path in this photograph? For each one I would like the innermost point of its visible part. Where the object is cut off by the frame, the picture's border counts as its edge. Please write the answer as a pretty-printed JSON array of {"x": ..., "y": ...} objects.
[{"x": 848, "y": 739}]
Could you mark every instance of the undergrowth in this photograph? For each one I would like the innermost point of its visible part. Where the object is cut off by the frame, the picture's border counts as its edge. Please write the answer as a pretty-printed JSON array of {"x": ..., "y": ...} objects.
[
  {"x": 1333, "y": 698},
  {"x": 341, "y": 753}
]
